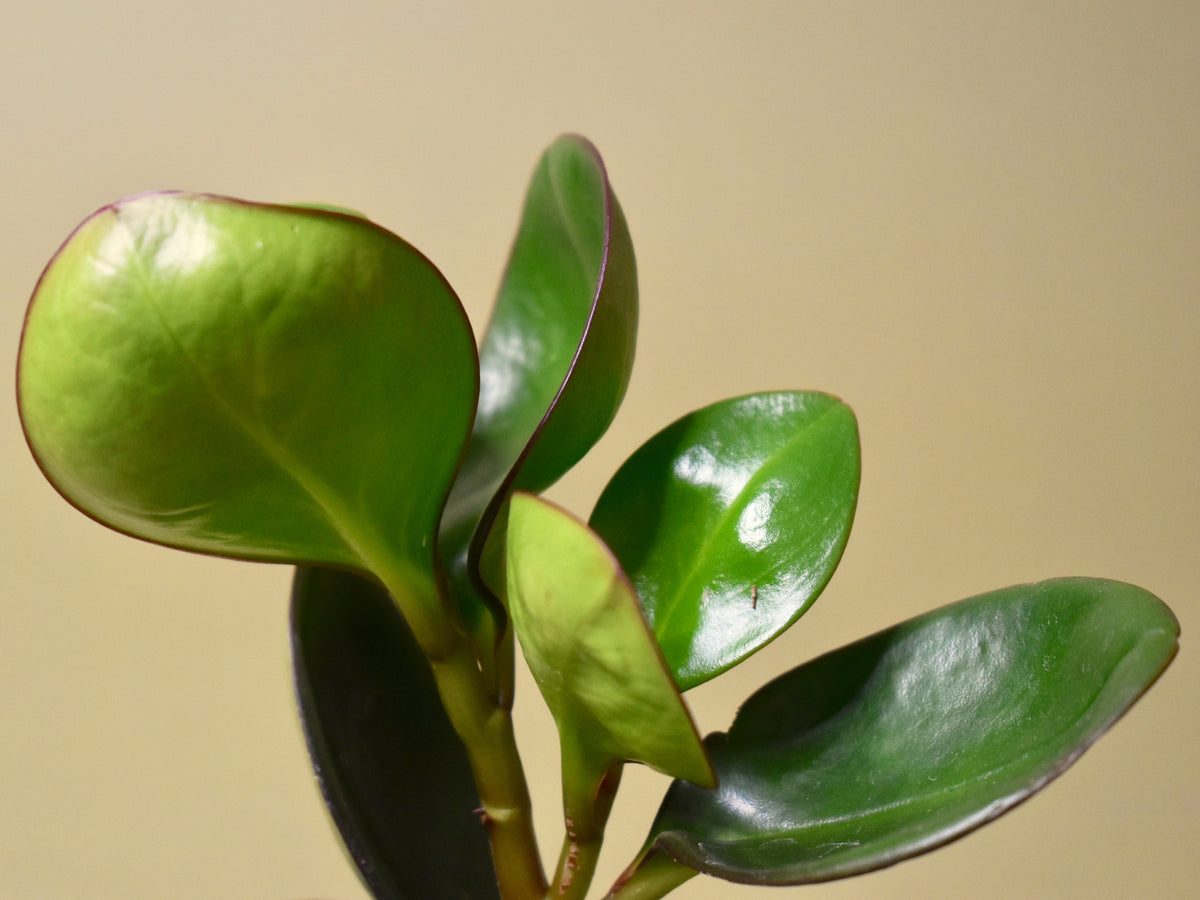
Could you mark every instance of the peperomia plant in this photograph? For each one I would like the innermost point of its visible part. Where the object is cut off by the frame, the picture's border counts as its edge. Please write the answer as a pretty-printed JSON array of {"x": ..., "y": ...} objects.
[{"x": 296, "y": 384}]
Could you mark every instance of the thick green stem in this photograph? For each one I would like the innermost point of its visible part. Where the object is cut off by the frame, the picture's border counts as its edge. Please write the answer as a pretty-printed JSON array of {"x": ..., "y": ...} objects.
[
  {"x": 650, "y": 877},
  {"x": 486, "y": 730},
  {"x": 485, "y": 726}
]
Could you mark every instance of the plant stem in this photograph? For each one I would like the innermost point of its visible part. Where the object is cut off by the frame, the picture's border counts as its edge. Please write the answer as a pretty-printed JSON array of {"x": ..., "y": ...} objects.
[
  {"x": 485, "y": 727},
  {"x": 650, "y": 877},
  {"x": 486, "y": 731},
  {"x": 587, "y": 802}
]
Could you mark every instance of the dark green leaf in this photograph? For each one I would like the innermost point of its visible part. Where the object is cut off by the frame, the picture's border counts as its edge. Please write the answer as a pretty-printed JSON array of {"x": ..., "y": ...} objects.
[
  {"x": 731, "y": 521},
  {"x": 556, "y": 357},
  {"x": 589, "y": 649},
  {"x": 254, "y": 381},
  {"x": 391, "y": 769},
  {"x": 903, "y": 741}
]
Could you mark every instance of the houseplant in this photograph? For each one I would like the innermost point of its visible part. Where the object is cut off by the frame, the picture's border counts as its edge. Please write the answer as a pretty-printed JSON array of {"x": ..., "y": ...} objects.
[{"x": 296, "y": 384}]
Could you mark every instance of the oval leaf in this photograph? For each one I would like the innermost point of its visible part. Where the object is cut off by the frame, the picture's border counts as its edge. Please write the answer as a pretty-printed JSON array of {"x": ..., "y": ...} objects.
[
  {"x": 901, "y": 742},
  {"x": 556, "y": 357},
  {"x": 255, "y": 381},
  {"x": 589, "y": 649},
  {"x": 393, "y": 772},
  {"x": 731, "y": 521}
]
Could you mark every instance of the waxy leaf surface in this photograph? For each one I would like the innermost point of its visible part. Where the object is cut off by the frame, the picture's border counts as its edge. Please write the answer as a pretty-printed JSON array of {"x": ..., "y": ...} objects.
[
  {"x": 589, "y": 650},
  {"x": 894, "y": 745},
  {"x": 256, "y": 381},
  {"x": 392, "y": 771},
  {"x": 731, "y": 521},
  {"x": 556, "y": 357}
]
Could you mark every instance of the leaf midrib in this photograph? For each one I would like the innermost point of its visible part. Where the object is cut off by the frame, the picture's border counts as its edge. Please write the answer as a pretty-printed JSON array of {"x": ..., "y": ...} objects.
[
  {"x": 323, "y": 498},
  {"x": 687, "y": 584}
]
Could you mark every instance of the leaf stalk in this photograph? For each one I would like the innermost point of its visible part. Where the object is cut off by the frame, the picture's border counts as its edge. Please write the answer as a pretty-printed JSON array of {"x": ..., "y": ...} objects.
[
  {"x": 649, "y": 877},
  {"x": 587, "y": 803}
]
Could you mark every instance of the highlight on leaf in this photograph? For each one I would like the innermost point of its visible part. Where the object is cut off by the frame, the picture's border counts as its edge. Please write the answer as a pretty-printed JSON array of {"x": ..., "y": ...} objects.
[
  {"x": 908, "y": 739},
  {"x": 731, "y": 521},
  {"x": 555, "y": 359},
  {"x": 256, "y": 381}
]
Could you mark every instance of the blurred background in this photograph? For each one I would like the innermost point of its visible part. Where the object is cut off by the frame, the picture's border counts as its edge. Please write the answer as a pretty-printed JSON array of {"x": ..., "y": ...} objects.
[{"x": 976, "y": 223}]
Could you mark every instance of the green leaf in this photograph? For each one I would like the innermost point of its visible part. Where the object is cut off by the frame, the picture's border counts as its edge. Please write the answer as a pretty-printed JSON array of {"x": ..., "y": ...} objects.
[
  {"x": 558, "y": 351},
  {"x": 589, "y": 649},
  {"x": 731, "y": 521},
  {"x": 906, "y": 740},
  {"x": 254, "y": 381},
  {"x": 392, "y": 771}
]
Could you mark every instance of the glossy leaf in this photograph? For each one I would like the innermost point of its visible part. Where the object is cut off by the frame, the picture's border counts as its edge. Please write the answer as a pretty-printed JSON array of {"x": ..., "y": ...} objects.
[
  {"x": 254, "y": 381},
  {"x": 731, "y": 521},
  {"x": 556, "y": 357},
  {"x": 894, "y": 745},
  {"x": 392, "y": 771},
  {"x": 594, "y": 659}
]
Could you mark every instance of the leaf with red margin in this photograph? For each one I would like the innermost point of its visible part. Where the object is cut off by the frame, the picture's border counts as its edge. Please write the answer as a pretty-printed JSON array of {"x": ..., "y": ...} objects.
[
  {"x": 555, "y": 359},
  {"x": 909, "y": 739}
]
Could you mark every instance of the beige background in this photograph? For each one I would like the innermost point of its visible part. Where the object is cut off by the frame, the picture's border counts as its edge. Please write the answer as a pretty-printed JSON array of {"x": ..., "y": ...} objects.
[{"x": 977, "y": 223}]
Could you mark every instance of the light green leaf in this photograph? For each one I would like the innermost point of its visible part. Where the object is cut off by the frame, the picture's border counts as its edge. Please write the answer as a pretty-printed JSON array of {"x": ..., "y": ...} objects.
[
  {"x": 252, "y": 381},
  {"x": 590, "y": 651}
]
